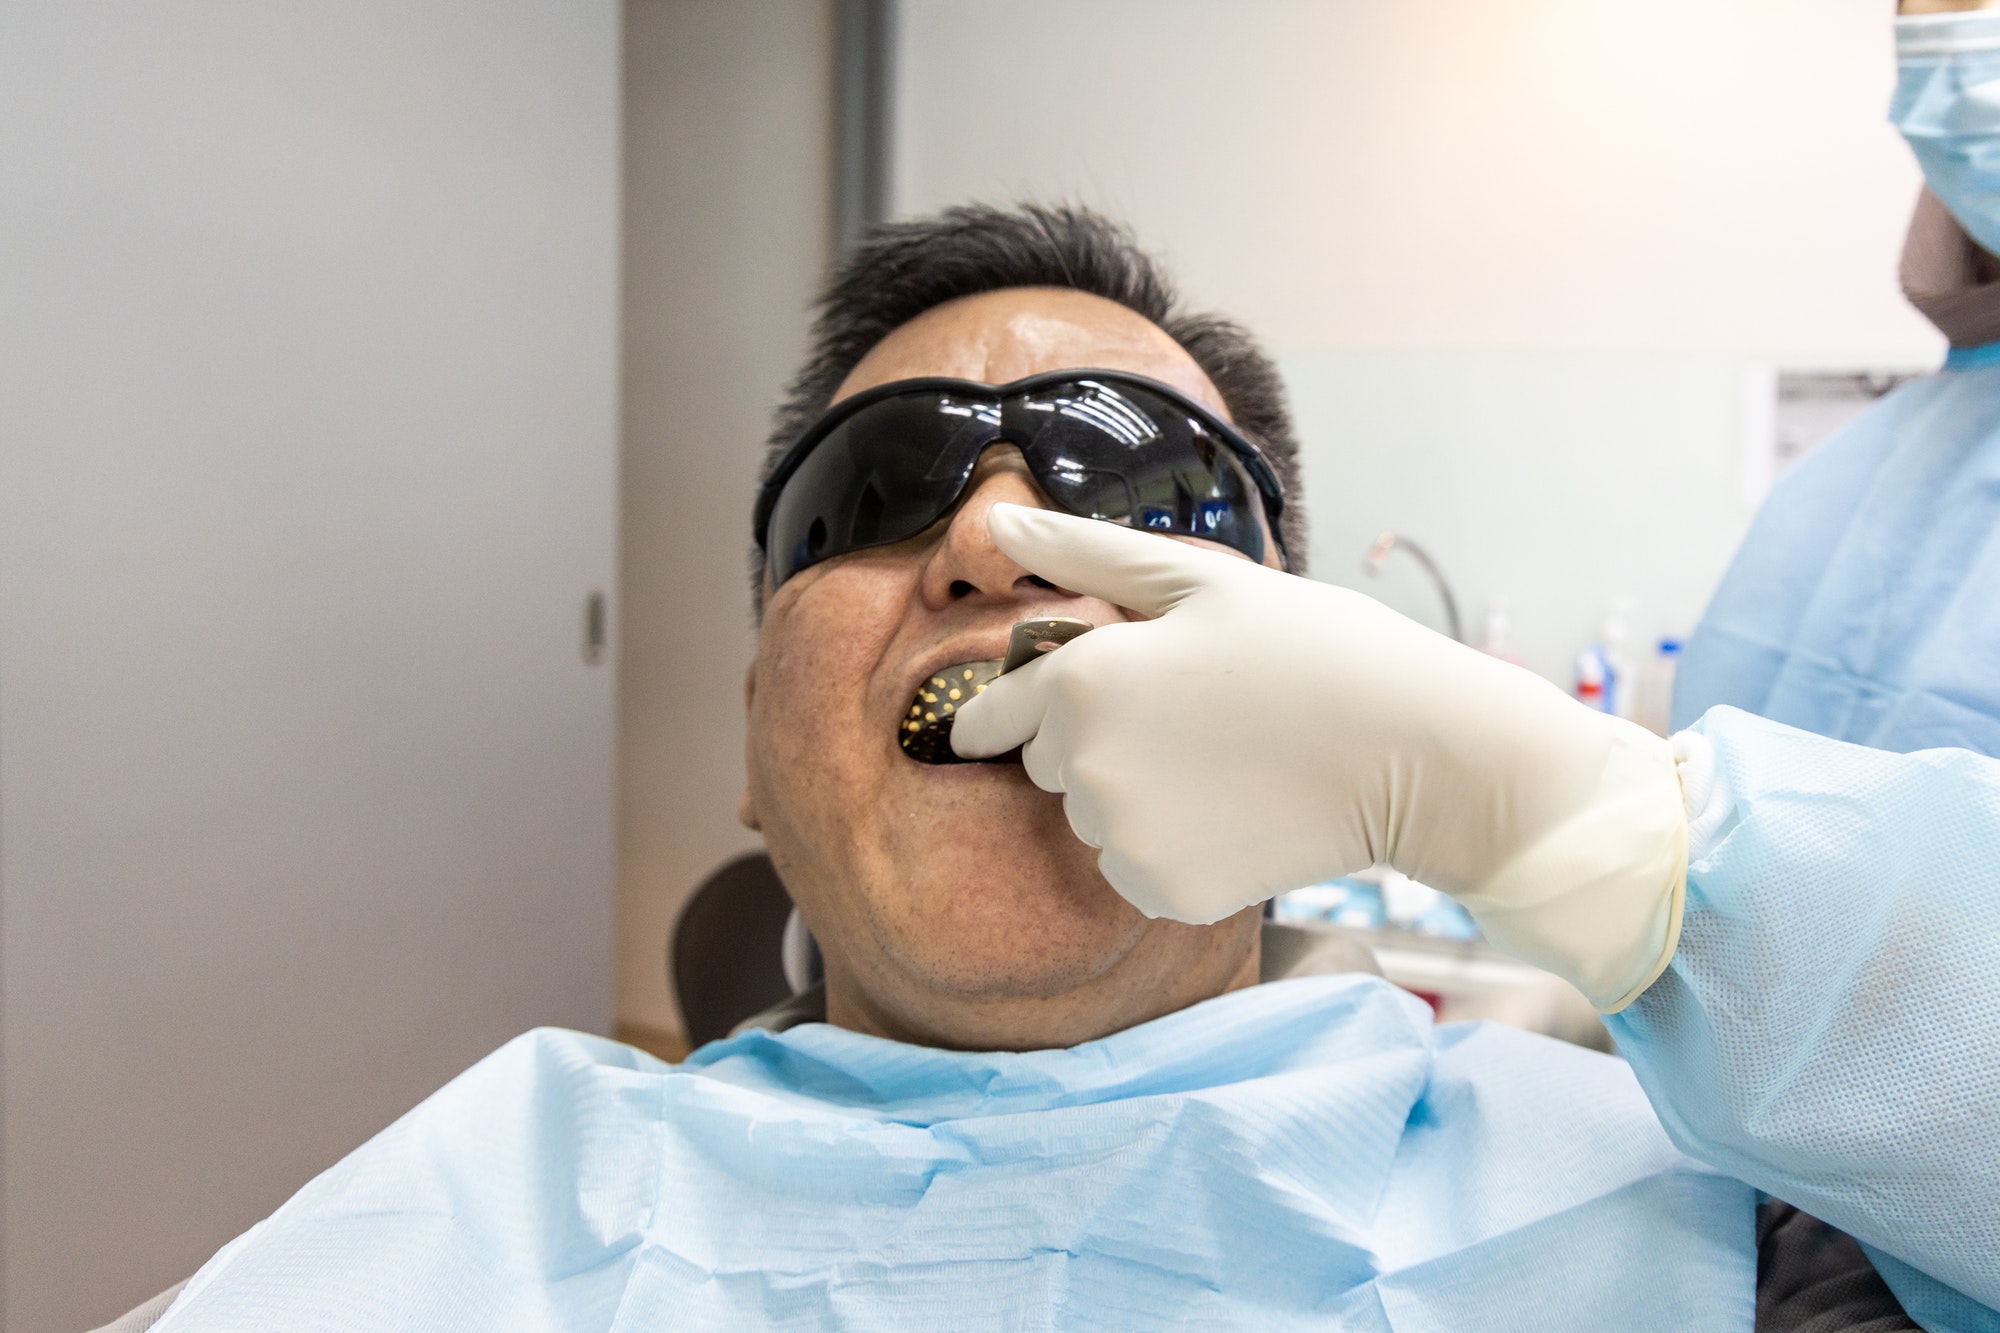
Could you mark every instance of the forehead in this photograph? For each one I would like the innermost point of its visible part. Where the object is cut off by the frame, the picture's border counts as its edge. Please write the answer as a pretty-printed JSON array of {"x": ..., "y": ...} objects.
[{"x": 998, "y": 337}]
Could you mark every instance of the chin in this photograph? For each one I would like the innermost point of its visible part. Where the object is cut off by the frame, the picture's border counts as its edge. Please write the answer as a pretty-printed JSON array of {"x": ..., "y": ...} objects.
[{"x": 998, "y": 920}]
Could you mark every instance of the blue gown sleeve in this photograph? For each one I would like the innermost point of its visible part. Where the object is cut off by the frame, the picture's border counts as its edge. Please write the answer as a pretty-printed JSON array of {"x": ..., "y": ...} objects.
[{"x": 1827, "y": 1028}]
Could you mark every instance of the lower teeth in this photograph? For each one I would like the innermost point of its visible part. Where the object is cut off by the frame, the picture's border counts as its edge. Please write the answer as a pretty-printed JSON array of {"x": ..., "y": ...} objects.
[{"x": 926, "y": 728}]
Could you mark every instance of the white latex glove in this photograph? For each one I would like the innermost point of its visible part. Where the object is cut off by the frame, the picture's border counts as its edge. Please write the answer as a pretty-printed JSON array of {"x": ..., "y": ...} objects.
[{"x": 1261, "y": 732}]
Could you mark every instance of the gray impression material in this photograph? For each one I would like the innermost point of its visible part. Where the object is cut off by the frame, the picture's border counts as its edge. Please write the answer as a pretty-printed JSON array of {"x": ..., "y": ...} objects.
[{"x": 925, "y": 731}]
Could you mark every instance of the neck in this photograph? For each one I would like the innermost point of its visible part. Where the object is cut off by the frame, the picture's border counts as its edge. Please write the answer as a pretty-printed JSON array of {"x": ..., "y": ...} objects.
[{"x": 1148, "y": 983}]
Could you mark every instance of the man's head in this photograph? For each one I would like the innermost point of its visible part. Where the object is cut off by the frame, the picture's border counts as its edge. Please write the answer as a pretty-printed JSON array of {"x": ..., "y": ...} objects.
[{"x": 953, "y": 905}]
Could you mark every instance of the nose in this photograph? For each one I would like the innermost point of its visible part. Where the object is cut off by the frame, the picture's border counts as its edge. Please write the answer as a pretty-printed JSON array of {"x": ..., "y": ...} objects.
[{"x": 965, "y": 564}]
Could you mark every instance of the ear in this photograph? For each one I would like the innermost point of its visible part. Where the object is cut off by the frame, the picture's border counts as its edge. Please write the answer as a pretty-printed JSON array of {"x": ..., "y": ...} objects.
[{"x": 746, "y": 808}]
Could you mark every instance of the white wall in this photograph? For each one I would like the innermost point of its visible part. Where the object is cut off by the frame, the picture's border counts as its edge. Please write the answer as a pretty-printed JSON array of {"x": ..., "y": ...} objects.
[
  {"x": 1549, "y": 481},
  {"x": 1514, "y": 256},
  {"x": 308, "y": 412},
  {"x": 728, "y": 228}
]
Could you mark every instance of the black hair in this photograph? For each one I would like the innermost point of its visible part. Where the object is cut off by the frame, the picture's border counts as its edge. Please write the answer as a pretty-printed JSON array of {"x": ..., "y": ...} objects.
[{"x": 899, "y": 270}]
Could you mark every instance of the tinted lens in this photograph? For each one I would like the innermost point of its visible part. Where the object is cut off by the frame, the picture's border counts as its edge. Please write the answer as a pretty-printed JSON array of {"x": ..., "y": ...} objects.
[
  {"x": 1115, "y": 451},
  {"x": 882, "y": 475}
]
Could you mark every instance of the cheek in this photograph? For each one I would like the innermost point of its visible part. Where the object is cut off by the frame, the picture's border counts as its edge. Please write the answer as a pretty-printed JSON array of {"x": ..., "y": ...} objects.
[{"x": 817, "y": 653}]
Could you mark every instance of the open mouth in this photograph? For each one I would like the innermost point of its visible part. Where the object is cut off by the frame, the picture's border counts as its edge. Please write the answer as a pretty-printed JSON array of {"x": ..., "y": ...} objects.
[{"x": 924, "y": 731}]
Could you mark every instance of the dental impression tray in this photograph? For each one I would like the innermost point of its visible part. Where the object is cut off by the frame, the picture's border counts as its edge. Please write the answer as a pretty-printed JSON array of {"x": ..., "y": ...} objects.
[{"x": 925, "y": 731}]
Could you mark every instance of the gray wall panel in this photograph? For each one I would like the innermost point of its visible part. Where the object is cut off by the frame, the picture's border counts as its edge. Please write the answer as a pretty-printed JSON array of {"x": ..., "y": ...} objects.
[{"x": 308, "y": 412}]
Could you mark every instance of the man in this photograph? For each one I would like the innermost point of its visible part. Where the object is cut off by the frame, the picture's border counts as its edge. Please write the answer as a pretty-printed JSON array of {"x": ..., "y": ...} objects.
[
  {"x": 1035, "y": 1105},
  {"x": 1865, "y": 603}
]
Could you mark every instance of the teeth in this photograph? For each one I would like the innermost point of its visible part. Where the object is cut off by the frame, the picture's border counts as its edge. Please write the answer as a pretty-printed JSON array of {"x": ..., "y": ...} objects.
[{"x": 925, "y": 731}]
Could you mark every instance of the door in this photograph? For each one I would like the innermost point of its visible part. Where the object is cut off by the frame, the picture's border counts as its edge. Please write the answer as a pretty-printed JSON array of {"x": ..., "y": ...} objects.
[{"x": 308, "y": 361}]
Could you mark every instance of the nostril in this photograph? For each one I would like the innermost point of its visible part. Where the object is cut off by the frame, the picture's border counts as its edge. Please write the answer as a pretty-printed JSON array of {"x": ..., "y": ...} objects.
[
  {"x": 960, "y": 588},
  {"x": 1041, "y": 582}
]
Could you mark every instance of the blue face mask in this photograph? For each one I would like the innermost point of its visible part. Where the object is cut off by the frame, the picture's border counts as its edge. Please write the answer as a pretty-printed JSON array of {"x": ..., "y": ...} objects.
[{"x": 1947, "y": 106}]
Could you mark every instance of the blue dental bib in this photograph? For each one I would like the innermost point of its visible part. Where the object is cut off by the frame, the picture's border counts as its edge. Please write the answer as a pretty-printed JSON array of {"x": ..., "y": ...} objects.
[{"x": 1304, "y": 1154}]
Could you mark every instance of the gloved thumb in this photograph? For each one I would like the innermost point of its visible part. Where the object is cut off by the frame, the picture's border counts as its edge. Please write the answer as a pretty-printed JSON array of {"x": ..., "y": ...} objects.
[
  {"x": 1007, "y": 713},
  {"x": 1133, "y": 569}
]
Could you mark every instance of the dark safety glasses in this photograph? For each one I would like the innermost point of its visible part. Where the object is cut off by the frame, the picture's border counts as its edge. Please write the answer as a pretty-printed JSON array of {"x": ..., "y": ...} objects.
[{"x": 884, "y": 465}]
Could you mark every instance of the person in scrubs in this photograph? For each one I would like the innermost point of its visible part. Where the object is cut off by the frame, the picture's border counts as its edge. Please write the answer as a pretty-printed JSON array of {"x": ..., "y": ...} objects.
[
  {"x": 1052, "y": 1080},
  {"x": 1809, "y": 1002},
  {"x": 1018, "y": 1100},
  {"x": 1865, "y": 603},
  {"x": 1055, "y": 1080}
]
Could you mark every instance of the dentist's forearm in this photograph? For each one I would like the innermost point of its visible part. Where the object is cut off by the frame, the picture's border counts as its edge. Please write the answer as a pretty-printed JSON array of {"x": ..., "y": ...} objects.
[
  {"x": 1824, "y": 1030},
  {"x": 1942, "y": 6}
]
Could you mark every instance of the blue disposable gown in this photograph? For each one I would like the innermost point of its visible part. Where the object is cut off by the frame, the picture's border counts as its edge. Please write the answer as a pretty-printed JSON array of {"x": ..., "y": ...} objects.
[
  {"x": 1827, "y": 1027},
  {"x": 1306, "y": 1154},
  {"x": 1865, "y": 602},
  {"x": 1309, "y": 1154}
]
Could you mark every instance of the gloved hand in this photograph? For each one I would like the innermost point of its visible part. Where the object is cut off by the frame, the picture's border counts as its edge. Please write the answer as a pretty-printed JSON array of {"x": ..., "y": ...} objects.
[{"x": 1261, "y": 732}]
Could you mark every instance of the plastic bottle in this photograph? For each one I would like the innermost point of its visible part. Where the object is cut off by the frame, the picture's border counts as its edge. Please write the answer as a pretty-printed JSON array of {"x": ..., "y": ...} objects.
[
  {"x": 1591, "y": 678},
  {"x": 1656, "y": 691},
  {"x": 1621, "y": 668},
  {"x": 1496, "y": 637}
]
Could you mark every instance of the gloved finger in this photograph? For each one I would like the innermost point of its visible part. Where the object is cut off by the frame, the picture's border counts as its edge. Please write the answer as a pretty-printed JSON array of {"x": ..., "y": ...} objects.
[
  {"x": 1047, "y": 761},
  {"x": 1128, "y": 568},
  {"x": 1043, "y": 758},
  {"x": 1158, "y": 893},
  {"x": 1007, "y": 713},
  {"x": 1133, "y": 883},
  {"x": 1086, "y": 819}
]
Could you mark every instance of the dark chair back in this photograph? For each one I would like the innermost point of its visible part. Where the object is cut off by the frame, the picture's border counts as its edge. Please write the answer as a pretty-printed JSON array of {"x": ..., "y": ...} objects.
[{"x": 727, "y": 947}]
